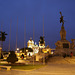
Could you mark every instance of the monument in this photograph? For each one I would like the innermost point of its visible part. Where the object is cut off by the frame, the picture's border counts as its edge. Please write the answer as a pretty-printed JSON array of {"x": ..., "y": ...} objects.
[
  {"x": 73, "y": 44},
  {"x": 63, "y": 45}
]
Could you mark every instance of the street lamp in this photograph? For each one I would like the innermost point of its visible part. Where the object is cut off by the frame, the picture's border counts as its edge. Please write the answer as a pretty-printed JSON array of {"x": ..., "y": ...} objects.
[
  {"x": 17, "y": 49},
  {"x": 43, "y": 58},
  {"x": 26, "y": 51}
]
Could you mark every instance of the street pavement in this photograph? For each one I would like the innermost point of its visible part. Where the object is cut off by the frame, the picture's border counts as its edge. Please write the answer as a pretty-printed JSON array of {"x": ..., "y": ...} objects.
[
  {"x": 50, "y": 69},
  {"x": 54, "y": 67}
]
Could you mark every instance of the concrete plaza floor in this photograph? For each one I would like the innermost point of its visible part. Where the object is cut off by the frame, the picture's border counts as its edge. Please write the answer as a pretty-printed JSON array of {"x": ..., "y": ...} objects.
[
  {"x": 50, "y": 69},
  {"x": 55, "y": 66}
]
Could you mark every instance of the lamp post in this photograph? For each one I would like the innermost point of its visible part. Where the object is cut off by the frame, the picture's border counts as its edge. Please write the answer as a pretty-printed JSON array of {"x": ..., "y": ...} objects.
[
  {"x": 26, "y": 52},
  {"x": 43, "y": 58}
]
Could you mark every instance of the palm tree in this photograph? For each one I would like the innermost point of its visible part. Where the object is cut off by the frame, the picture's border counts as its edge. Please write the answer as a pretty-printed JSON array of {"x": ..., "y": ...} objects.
[{"x": 2, "y": 36}]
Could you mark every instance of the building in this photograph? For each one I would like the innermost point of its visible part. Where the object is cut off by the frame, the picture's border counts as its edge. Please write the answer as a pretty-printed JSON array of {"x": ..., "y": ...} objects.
[
  {"x": 41, "y": 42},
  {"x": 35, "y": 48},
  {"x": 30, "y": 43},
  {"x": 26, "y": 51}
]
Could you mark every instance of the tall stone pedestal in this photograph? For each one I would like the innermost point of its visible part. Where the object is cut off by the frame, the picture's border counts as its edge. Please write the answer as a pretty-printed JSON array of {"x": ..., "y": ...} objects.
[{"x": 63, "y": 45}]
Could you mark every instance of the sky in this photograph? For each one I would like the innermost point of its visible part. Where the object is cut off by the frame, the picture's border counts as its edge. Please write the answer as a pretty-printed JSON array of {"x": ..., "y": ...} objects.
[{"x": 11, "y": 9}]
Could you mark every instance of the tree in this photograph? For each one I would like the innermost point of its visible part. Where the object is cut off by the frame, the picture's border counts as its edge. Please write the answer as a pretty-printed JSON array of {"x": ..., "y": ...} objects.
[
  {"x": 2, "y": 34},
  {"x": 12, "y": 57},
  {"x": 1, "y": 56}
]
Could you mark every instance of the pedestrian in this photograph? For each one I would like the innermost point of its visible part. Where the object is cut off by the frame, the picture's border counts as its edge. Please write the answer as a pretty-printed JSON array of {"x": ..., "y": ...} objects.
[
  {"x": 71, "y": 54},
  {"x": 22, "y": 56}
]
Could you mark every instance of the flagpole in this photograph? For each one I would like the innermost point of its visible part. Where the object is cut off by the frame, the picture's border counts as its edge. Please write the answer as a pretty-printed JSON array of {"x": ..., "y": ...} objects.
[
  {"x": 10, "y": 35},
  {"x": 43, "y": 38},
  {"x": 43, "y": 26},
  {"x": 33, "y": 39},
  {"x": 25, "y": 35},
  {"x": 16, "y": 32},
  {"x": 1, "y": 41}
]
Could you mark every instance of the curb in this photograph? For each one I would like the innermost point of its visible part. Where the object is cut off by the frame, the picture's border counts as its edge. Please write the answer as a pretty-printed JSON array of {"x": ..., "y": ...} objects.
[
  {"x": 29, "y": 70},
  {"x": 22, "y": 70}
]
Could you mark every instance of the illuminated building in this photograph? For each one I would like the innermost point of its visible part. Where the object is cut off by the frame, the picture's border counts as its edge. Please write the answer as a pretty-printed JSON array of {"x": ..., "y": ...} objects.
[
  {"x": 27, "y": 51},
  {"x": 35, "y": 48},
  {"x": 41, "y": 42},
  {"x": 30, "y": 43}
]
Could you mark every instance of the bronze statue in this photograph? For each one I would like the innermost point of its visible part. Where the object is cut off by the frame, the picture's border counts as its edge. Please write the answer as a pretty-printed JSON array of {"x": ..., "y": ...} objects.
[{"x": 61, "y": 19}]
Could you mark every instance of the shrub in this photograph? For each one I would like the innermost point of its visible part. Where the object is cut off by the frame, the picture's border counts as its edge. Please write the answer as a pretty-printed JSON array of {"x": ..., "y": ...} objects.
[
  {"x": 12, "y": 57},
  {"x": 1, "y": 56}
]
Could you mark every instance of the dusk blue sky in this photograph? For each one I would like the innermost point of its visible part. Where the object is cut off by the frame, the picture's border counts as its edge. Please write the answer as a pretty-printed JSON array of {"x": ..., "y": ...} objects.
[{"x": 10, "y": 9}]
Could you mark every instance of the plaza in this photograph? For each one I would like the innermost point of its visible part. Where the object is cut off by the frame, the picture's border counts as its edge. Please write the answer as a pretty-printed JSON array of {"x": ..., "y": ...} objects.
[
  {"x": 62, "y": 66},
  {"x": 50, "y": 69}
]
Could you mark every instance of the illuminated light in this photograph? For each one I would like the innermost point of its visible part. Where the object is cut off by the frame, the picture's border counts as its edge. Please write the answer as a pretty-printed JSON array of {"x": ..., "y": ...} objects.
[
  {"x": 20, "y": 51},
  {"x": 0, "y": 47},
  {"x": 26, "y": 50},
  {"x": 51, "y": 52},
  {"x": 15, "y": 51},
  {"x": 47, "y": 50},
  {"x": 17, "y": 48},
  {"x": 31, "y": 53},
  {"x": 24, "y": 55},
  {"x": 25, "y": 58},
  {"x": 17, "y": 54}
]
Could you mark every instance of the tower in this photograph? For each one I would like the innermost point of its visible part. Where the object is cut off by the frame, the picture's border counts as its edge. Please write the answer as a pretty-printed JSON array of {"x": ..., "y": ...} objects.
[
  {"x": 30, "y": 43},
  {"x": 41, "y": 42}
]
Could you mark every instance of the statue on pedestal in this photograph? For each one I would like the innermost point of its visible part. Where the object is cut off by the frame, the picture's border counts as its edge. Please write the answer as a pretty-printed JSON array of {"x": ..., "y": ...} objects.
[
  {"x": 61, "y": 19},
  {"x": 63, "y": 43},
  {"x": 62, "y": 31}
]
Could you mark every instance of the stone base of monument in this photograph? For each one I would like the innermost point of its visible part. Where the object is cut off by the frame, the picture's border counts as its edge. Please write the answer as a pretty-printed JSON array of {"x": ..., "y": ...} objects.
[{"x": 61, "y": 52}]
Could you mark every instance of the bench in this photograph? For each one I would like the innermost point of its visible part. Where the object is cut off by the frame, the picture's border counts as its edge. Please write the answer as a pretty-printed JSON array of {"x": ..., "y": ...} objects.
[{"x": 7, "y": 67}]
